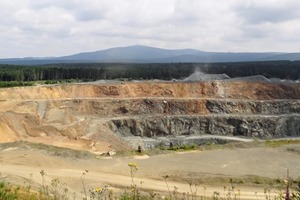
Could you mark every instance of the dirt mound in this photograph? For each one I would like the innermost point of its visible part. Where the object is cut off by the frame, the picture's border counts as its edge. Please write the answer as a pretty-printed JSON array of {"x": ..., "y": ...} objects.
[{"x": 199, "y": 76}]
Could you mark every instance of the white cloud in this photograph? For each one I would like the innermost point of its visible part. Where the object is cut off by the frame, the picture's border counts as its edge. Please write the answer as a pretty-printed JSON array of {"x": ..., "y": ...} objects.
[
  {"x": 256, "y": 12},
  {"x": 56, "y": 27}
]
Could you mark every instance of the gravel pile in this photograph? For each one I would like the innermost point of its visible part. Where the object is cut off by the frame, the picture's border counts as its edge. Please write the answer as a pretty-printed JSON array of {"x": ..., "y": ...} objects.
[
  {"x": 199, "y": 76},
  {"x": 256, "y": 78}
]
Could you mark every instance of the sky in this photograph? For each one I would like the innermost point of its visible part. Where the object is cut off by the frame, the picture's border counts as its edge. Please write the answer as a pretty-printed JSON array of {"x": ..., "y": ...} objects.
[{"x": 42, "y": 28}]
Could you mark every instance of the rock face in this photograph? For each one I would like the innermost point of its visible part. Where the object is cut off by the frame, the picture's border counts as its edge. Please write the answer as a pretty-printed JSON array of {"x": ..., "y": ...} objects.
[
  {"x": 247, "y": 118},
  {"x": 100, "y": 117},
  {"x": 271, "y": 122},
  {"x": 246, "y": 126},
  {"x": 264, "y": 115}
]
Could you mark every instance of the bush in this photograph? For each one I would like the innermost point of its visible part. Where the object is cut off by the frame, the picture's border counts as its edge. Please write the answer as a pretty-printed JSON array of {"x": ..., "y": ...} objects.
[
  {"x": 4, "y": 84},
  {"x": 186, "y": 147}
]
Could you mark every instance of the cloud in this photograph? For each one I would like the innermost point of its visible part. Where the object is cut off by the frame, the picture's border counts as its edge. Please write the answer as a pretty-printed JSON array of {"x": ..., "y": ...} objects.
[
  {"x": 255, "y": 12},
  {"x": 56, "y": 27}
]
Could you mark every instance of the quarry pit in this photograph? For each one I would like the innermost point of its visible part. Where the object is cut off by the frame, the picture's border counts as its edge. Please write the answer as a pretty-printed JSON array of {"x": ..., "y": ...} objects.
[{"x": 101, "y": 117}]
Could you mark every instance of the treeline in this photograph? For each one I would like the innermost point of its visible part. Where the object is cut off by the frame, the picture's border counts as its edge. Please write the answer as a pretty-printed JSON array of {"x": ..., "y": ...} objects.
[
  {"x": 270, "y": 69},
  {"x": 4, "y": 84},
  {"x": 96, "y": 71}
]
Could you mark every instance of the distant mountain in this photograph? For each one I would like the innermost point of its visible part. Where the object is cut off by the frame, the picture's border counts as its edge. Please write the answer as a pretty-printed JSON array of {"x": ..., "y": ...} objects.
[
  {"x": 145, "y": 54},
  {"x": 130, "y": 54}
]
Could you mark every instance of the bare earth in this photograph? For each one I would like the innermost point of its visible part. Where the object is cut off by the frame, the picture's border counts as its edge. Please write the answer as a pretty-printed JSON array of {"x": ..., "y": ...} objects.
[
  {"x": 74, "y": 116},
  {"x": 264, "y": 162}
]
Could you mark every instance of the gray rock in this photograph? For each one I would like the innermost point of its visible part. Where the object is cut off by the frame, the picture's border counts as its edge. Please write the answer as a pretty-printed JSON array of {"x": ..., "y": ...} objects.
[
  {"x": 173, "y": 119},
  {"x": 229, "y": 125}
]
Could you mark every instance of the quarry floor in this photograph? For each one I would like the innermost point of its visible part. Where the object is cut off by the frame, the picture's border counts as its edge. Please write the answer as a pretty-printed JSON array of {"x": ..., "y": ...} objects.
[{"x": 23, "y": 166}]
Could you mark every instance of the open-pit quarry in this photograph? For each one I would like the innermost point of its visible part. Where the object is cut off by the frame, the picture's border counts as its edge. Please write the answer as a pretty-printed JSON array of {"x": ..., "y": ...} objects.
[
  {"x": 103, "y": 117},
  {"x": 109, "y": 117}
]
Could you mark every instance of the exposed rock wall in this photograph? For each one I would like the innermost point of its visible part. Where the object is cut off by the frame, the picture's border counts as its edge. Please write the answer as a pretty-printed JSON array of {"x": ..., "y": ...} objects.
[
  {"x": 246, "y": 126},
  {"x": 247, "y": 118},
  {"x": 111, "y": 113},
  {"x": 175, "y": 106},
  {"x": 253, "y": 107}
]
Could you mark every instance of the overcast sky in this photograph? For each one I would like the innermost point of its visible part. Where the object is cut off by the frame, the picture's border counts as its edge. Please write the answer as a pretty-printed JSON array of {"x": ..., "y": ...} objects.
[{"x": 64, "y": 27}]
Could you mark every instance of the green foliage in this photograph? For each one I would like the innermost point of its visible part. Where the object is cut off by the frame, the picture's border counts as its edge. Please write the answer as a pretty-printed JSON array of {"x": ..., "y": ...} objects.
[
  {"x": 186, "y": 147},
  {"x": 57, "y": 73},
  {"x": 279, "y": 143},
  {"x": 5, "y": 84},
  {"x": 54, "y": 73},
  {"x": 51, "y": 82},
  {"x": 8, "y": 192},
  {"x": 269, "y": 69}
]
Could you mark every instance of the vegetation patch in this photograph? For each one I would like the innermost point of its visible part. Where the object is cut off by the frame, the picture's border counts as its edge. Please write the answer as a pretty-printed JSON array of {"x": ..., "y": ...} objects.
[
  {"x": 186, "y": 147},
  {"x": 279, "y": 143},
  {"x": 5, "y": 84},
  {"x": 129, "y": 71}
]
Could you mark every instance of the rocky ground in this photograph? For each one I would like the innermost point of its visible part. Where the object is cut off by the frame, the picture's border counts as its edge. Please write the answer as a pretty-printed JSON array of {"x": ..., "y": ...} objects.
[{"x": 101, "y": 117}]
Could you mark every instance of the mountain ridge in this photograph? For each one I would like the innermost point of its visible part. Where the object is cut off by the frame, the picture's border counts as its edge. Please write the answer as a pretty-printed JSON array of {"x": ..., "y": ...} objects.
[{"x": 147, "y": 54}]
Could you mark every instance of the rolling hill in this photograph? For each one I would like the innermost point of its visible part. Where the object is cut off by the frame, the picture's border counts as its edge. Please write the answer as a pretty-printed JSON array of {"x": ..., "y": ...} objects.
[{"x": 145, "y": 54}]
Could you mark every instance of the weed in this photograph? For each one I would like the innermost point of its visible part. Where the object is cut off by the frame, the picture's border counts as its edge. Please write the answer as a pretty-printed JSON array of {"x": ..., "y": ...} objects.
[
  {"x": 83, "y": 183},
  {"x": 100, "y": 193},
  {"x": 165, "y": 179},
  {"x": 193, "y": 190},
  {"x": 44, "y": 186},
  {"x": 133, "y": 169},
  {"x": 56, "y": 190}
]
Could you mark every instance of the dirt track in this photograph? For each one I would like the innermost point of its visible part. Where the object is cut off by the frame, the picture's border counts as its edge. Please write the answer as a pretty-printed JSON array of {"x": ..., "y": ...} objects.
[{"x": 264, "y": 162}]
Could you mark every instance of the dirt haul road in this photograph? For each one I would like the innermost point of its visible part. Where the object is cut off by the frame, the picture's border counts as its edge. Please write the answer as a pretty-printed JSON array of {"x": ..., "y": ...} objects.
[{"x": 263, "y": 162}]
